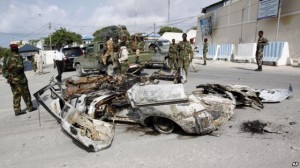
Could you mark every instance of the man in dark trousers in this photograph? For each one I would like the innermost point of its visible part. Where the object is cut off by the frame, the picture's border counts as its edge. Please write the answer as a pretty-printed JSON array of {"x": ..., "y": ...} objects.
[
  {"x": 58, "y": 60},
  {"x": 13, "y": 71}
]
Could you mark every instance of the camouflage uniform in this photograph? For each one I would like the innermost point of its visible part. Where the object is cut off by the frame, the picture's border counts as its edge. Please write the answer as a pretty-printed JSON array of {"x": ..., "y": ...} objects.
[
  {"x": 261, "y": 43},
  {"x": 173, "y": 53},
  {"x": 140, "y": 47},
  {"x": 205, "y": 49},
  {"x": 14, "y": 72},
  {"x": 115, "y": 57},
  {"x": 109, "y": 51},
  {"x": 185, "y": 52}
]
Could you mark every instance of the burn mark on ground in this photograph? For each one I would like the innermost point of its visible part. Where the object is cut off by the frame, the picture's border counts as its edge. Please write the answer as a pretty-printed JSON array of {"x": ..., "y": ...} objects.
[{"x": 254, "y": 126}]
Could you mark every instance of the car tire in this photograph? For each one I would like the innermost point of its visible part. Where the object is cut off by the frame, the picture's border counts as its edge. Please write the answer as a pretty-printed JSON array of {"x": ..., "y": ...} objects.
[
  {"x": 79, "y": 70},
  {"x": 163, "y": 125}
]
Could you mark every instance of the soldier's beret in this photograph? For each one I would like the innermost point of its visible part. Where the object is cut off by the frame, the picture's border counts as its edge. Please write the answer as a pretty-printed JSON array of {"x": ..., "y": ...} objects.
[{"x": 13, "y": 46}]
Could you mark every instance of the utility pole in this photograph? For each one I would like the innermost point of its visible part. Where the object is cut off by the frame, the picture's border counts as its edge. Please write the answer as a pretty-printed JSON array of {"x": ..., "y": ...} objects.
[
  {"x": 278, "y": 21},
  {"x": 50, "y": 36},
  {"x": 168, "y": 12},
  {"x": 154, "y": 31}
]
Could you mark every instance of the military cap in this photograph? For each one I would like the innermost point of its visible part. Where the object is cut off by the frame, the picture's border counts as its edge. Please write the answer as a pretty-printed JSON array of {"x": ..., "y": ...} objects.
[{"x": 13, "y": 46}]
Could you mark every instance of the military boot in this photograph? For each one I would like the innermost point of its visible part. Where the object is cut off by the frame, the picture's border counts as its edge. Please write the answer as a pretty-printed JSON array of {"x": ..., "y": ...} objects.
[
  {"x": 17, "y": 113},
  {"x": 31, "y": 109},
  {"x": 257, "y": 69}
]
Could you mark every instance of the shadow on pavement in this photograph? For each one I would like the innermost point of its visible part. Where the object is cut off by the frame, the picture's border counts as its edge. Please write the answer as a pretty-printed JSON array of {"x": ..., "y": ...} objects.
[{"x": 247, "y": 69}]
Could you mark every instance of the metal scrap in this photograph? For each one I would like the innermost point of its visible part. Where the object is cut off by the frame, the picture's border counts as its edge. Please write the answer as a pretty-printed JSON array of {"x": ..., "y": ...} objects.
[
  {"x": 275, "y": 95},
  {"x": 85, "y": 85},
  {"x": 244, "y": 95}
]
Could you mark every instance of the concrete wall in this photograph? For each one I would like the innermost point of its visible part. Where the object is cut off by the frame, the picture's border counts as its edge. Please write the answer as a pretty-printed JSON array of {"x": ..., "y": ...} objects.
[{"x": 237, "y": 23}]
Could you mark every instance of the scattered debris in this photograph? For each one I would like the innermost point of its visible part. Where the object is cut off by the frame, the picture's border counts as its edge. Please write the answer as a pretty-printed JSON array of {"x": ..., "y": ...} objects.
[
  {"x": 244, "y": 95},
  {"x": 275, "y": 95}
]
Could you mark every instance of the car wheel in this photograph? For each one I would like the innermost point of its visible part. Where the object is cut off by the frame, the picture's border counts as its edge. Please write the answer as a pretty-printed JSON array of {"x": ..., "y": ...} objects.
[
  {"x": 110, "y": 70},
  {"x": 163, "y": 125},
  {"x": 79, "y": 70}
]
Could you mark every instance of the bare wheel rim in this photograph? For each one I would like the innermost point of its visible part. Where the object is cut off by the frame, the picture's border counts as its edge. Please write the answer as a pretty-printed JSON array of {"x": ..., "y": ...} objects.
[{"x": 163, "y": 125}]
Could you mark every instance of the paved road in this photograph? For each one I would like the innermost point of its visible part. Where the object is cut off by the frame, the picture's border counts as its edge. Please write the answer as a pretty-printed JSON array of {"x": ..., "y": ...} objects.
[{"x": 25, "y": 144}]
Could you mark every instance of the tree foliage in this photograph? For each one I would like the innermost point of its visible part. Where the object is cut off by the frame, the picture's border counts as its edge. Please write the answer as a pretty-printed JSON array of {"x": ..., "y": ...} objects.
[
  {"x": 4, "y": 51},
  {"x": 62, "y": 37},
  {"x": 164, "y": 29},
  {"x": 111, "y": 31}
]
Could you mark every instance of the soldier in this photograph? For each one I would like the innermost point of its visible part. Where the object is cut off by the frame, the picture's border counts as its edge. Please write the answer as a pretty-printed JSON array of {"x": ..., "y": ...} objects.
[
  {"x": 124, "y": 32},
  {"x": 39, "y": 62},
  {"x": 116, "y": 50},
  {"x": 14, "y": 73},
  {"x": 173, "y": 54},
  {"x": 192, "y": 56},
  {"x": 205, "y": 49},
  {"x": 185, "y": 53},
  {"x": 140, "y": 47},
  {"x": 109, "y": 50},
  {"x": 261, "y": 43},
  {"x": 123, "y": 56}
]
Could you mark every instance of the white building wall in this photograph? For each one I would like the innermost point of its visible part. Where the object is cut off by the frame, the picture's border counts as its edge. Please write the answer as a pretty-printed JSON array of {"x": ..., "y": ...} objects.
[{"x": 237, "y": 23}]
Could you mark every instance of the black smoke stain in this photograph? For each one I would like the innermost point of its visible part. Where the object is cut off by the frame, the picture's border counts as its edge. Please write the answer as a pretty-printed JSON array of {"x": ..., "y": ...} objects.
[{"x": 254, "y": 126}]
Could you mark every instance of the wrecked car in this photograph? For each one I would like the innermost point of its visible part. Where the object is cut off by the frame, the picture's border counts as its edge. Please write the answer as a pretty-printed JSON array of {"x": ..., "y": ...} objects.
[
  {"x": 84, "y": 116},
  {"x": 89, "y": 106}
]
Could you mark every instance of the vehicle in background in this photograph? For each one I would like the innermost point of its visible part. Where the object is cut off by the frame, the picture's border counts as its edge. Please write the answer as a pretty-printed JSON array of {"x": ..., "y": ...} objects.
[
  {"x": 91, "y": 61},
  {"x": 70, "y": 54},
  {"x": 160, "y": 49}
]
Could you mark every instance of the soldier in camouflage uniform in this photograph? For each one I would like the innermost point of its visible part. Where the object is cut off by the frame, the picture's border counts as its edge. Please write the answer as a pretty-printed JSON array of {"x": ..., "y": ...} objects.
[
  {"x": 115, "y": 57},
  {"x": 173, "y": 54},
  {"x": 140, "y": 48},
  {"x": 261, "y": 43},
  {"x": 185, "y": 54},
  {"x": 124, "y": 32},
  {"x": 14, "y": 73},
  {"x": 205, "y": 49},
  {"x": 108, "y": 50}
]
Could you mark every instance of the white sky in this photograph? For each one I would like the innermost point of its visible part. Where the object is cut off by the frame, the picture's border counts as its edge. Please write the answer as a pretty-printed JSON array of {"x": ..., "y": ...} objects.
[{"x": 29, "y": 19}]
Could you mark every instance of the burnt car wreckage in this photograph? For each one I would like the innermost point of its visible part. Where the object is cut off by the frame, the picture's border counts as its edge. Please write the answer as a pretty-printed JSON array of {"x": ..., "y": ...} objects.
[{"x": 88, "y": 107}]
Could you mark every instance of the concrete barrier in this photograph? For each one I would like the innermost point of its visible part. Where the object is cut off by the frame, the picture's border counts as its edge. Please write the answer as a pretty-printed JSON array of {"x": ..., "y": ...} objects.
[
  {"x": 213, "y": 51},
  {"x": 226, "y": 52},
  {"x": 276, "y": 53},
  {"x": 200, "y": 52},
  {"x": 246, "y": 52},
  {"x": 48, "y": 56}
]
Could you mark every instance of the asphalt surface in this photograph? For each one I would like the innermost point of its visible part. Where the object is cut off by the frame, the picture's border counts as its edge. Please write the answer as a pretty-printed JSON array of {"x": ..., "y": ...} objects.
[{"x": 26, "y": 144}]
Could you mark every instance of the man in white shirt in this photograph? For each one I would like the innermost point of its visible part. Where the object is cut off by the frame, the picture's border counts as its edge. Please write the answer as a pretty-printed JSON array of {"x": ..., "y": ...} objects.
[
  {"x": 39, "y": 62},
  {"x": 58, "y": 60},
  {"x": 123, "y": 59}
]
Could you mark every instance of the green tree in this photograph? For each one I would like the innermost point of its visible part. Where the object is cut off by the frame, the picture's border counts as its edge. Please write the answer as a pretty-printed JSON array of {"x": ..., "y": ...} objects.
[
  {"x": 164, "y": 29},
  {"x": 111, "y": 31},
  {"x": 4, "y": 51},
  {"x": 62, "y": 37}
]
